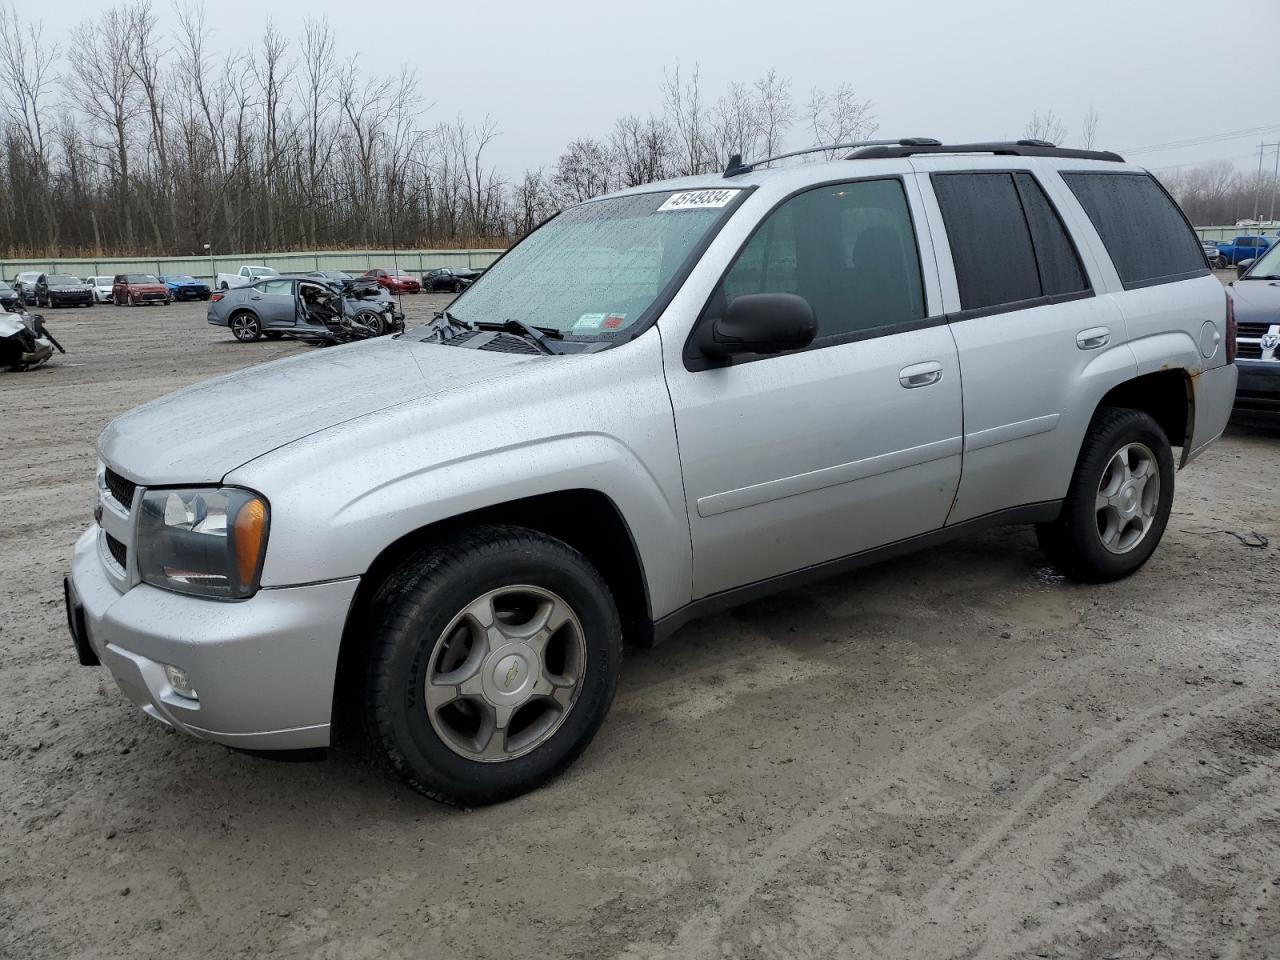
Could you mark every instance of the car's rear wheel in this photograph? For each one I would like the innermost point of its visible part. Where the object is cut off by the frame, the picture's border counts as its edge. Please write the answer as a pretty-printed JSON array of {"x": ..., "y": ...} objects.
[
  {"x": 1119, "y": 500},
  {"x": 493, "y": 661},
  {"x": 245, "y": 327}
]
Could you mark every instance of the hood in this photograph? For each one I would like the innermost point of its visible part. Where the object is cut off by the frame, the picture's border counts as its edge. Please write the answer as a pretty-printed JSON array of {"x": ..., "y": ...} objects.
[
  {"x": 1257, "y": 300},
  {"x": 69, "y": 287},
  {"x": 202, "y": 433},
  {"x": 147, "y": 286}
]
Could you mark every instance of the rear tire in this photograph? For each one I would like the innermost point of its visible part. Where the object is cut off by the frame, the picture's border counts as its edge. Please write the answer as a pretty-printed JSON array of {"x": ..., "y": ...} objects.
[
  {"x": 1119, "y": 500},
  {"x": 529, "y": 632},
  {"x": 245, "y": 327}
]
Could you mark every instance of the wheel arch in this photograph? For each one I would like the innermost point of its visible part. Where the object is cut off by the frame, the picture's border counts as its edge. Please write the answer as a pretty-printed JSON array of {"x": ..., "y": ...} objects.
[
  {"x": 586, "y": 519},
  {"x": 1168, "y": 396}
]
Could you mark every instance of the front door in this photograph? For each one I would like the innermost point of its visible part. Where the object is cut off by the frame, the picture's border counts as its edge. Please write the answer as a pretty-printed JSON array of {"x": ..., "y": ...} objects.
[{"x": 853, "y": 443}]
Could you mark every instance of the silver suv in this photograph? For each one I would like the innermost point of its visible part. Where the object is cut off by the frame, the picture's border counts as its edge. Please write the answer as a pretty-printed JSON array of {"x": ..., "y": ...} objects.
[{"x": 661, "y": 403}]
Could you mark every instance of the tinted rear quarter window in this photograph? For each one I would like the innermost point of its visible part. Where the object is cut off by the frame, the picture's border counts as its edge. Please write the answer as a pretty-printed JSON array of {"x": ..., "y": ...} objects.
[{"x": 1145, "y": 233}]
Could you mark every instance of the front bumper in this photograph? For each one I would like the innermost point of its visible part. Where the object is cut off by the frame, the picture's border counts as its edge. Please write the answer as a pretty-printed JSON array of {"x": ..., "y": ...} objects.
[
  {"x": 191, "y": 293},
  {"x": 1259, "y": 385},
  {"x": 263, "y": 668},
  {"x": 70, "y": 299}
]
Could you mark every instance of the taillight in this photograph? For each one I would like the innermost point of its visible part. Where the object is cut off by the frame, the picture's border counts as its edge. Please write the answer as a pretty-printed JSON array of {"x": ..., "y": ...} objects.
[
  {"x": 1232, "y": 329},
  {"x": 216, "y": 297}
]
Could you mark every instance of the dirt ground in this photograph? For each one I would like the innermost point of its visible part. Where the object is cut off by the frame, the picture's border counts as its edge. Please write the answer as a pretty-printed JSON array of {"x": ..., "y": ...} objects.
[{"x": 956, "y": 754}]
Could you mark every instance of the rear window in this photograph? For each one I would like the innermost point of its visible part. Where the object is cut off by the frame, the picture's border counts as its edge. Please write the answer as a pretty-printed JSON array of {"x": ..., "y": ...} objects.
[
  {"x": 1007, "y": 242},
  {"x": 1145, "y": 233}
]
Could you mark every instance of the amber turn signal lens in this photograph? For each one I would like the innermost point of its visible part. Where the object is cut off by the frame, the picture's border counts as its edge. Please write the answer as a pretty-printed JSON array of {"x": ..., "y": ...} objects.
[{"x": 250, "y": 532}]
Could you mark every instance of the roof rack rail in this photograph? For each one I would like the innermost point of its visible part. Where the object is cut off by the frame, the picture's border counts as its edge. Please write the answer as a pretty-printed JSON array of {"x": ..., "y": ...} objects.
[
  {"x": 736, "y": 167},
  {"x": 1004, "y": 148}
]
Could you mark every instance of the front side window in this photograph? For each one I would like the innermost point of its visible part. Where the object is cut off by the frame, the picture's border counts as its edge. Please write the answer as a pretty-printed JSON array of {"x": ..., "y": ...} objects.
[
  {"x": 849, "y": 249},
  {"x": 600, "y": 270},
  {"x": 1146, "y": 235}
]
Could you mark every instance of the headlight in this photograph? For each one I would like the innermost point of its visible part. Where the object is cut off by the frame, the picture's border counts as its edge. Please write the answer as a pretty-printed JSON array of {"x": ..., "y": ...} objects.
[{"x": 206, "y": 541}]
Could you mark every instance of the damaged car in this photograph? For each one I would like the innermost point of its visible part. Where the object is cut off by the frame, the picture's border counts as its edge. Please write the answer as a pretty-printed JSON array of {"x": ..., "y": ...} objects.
[{"x": 305, "y": 307}]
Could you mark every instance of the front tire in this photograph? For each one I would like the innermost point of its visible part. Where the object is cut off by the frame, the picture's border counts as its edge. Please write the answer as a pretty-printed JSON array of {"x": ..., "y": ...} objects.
[
  {"x": 493, "y": 661},
  {"x": 1119, "y": 500}
]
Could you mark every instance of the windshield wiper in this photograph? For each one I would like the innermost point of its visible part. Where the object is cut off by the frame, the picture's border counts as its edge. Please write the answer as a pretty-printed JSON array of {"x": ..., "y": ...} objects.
[{"x": 538, "y": 336}]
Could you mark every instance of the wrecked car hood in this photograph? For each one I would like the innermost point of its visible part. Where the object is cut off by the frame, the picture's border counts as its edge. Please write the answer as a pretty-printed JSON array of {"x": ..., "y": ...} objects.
[{"x": 201, "y": 433}]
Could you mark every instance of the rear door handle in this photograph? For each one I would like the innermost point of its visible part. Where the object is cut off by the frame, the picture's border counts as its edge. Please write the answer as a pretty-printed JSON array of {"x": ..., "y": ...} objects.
[
  {"x": 920, "y": 374},
  {"x": 1093, "y": 338},
  {"x": 255, "y": 297}
]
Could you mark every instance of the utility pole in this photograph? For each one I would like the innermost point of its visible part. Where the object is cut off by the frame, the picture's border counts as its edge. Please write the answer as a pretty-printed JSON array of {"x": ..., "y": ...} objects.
[{"x": 1263, "y": 149}]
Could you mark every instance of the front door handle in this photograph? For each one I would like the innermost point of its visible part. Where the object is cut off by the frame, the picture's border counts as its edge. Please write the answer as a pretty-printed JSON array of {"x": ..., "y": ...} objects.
[
  {"x": 920, "y": 374},
  {"x": 255, "y": 297},
  {"x": 1093, "y": 338}
]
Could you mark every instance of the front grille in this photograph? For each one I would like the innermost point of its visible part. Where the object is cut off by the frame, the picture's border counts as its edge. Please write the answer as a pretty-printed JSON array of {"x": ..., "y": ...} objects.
[
  {"x": 119, "y": 552},
  {"x": 121, "y": 489},
  {"x": 1252, "y": 328}
]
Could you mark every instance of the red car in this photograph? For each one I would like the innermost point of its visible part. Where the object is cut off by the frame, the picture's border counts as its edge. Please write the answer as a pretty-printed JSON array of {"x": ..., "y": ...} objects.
[
  {"x": 138, "y": 288},
  {"x": 395, "y": 282}
]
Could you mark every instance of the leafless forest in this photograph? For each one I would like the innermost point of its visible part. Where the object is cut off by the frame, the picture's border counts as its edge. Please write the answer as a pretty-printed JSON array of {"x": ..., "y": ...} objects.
[
  {"x": 129, "y": 138},
  {"x": 124, "y": 136}
]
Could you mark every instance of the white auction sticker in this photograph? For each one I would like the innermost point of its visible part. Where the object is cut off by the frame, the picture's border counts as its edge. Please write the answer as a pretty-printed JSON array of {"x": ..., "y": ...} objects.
[{"x": 698, "y": 199}]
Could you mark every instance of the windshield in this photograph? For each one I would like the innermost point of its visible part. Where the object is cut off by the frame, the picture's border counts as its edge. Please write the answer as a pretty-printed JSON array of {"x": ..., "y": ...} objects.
[
  {"x": 140, "y": 278},
  {"x": 5, "y": 286},
  {"x": 62, "y": 279},
  {"x": 596, "y": 269},
  {"x": 1267, "y": 266}
]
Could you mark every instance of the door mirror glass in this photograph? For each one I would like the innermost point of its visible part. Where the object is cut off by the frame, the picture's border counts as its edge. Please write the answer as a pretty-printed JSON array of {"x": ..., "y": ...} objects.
[
  {"x": 761, "y": 323},
  {"x": 1243, "y": 267}
]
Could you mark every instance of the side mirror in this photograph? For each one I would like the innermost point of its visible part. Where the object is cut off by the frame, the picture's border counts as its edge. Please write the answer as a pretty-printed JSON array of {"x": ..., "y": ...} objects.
[
  {"x": 760, "y": 323},
  {"x": 1243, "y": 266}
]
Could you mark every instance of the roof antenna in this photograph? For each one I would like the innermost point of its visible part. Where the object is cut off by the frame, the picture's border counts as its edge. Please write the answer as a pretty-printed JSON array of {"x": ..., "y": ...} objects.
[{"x": 735, "y": 167}]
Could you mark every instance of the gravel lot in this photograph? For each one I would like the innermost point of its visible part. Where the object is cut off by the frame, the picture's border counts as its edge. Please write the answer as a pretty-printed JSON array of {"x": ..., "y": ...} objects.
[{"x": 956, "y": 754}]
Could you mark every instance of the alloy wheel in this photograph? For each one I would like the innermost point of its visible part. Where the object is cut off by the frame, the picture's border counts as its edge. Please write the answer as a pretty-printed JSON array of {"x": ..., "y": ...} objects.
[
  {"x": 1128, "y": 497},
  {"x": 505, "y": 673},
  {"x": 244, "y": 327}
]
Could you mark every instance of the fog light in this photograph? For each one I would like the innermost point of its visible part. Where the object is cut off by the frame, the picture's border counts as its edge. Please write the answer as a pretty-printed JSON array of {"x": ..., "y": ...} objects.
[{"x": 180, "y": 682}]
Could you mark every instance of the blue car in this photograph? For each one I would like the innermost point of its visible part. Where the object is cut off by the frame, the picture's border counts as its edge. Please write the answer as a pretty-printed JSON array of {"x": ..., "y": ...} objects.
[
  {"x": 1244, "y": 248},
  {"x": 182, "y": 287}
]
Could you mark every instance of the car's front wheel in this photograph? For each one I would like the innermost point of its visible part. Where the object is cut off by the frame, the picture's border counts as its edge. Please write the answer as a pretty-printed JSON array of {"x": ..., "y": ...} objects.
[
  {"x": 493, "y": 661},
  {"x": 1119, "y": 500},
  {"x": 245, "y": 327}
]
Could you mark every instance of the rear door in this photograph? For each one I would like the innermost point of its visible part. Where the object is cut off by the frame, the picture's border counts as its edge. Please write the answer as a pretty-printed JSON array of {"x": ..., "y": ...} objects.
[
  {"x": 797, "y": 459},
  {"x": 273, "y": 301},
  {"x": 1032, "y": 336}
]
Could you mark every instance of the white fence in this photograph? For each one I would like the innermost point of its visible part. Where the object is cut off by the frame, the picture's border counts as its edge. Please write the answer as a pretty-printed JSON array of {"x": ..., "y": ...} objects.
[{"x": 207, "y": 267}]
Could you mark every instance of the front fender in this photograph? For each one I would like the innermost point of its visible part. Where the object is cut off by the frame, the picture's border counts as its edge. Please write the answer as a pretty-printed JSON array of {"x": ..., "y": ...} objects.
[{"x": 340, "y": 497}]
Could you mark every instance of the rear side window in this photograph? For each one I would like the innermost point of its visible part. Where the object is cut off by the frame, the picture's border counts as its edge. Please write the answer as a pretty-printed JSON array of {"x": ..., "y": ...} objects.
[
  {"x": 847, "y": 248},
  {"x": 1007, "y": 242},
  {"x": 1146, "y": 235}
]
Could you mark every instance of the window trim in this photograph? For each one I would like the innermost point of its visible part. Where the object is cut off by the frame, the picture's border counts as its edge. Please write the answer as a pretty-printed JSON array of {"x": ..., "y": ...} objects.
[
  {"x": 1153, "y": 281},
  {"x": 1010, "y": 306},
  {"x": 694, "y": 359}
]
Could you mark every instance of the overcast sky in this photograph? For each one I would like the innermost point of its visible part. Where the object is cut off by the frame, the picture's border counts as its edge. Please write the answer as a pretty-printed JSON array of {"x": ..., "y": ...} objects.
[{"x": 550, "y": 70}]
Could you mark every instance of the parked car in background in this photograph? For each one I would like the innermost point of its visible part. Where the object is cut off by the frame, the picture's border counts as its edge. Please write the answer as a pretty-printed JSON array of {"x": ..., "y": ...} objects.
[
  {"x": 9, "y": 298},
  {"x": 25, "y": 285},
  {"x": 1243, "y": 248},
  {"x": 1213, "y": 254},
  {"x": 393, "y": 281},
  {"x": 1256, "y": 296},
  {"x": 243, "y": 277},
  {"x": 62, "y": 290},
  {"x": 101, "y": 288},
  {"x": 277, "y": 306},
  {"x": 184, "y": 287},
  {"x": 135, "y": 289},
  {"x": 449, "y": 279},
  {"x": 659, "y": 404}
]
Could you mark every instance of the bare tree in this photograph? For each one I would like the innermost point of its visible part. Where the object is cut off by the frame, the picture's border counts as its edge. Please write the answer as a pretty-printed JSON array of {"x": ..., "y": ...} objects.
[
  {"x": 840, "y": 117},
  {"x": 26, "y": 84},
  {"x": 1047, "y": 127},
  {"x": 1089, "y": 130},
  {"x": 684, "y": 106}
]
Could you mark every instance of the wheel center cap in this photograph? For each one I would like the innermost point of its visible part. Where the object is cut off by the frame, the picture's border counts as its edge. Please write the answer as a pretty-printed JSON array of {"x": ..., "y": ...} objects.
[
  {"x": 510, "y": 673},
  {"x": 1129, "y": 499}
]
